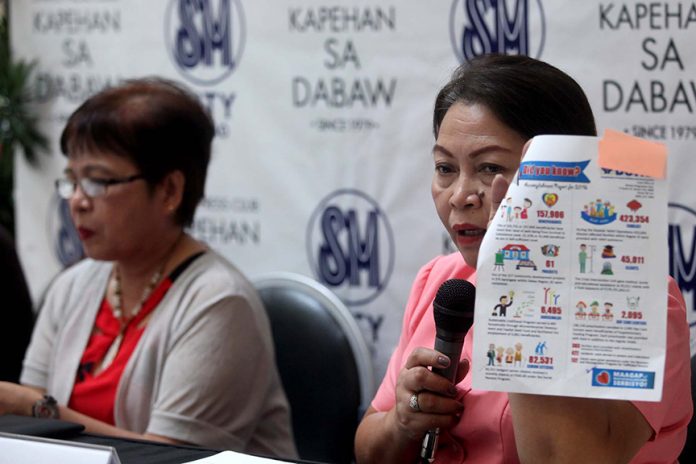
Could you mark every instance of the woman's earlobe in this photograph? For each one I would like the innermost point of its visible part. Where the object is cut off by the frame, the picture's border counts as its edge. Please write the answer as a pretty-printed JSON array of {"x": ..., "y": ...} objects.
[{"x": 174, "y": 187}]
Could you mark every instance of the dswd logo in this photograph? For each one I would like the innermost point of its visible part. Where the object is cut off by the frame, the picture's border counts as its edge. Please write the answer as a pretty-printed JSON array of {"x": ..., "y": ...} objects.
[
  {"x": 682, "y": 258},
  {"x": 205, "y": 38},
  {"x": 351, "y": 246},
  {"x": 514, "y": 27},
  {"x": 64, "y": 237}
]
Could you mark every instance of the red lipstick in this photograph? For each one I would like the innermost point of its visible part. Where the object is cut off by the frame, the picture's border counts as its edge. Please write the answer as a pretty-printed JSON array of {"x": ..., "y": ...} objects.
[
  {"x": 85, "y": 233},
  {"x": 468, "y": 234}
]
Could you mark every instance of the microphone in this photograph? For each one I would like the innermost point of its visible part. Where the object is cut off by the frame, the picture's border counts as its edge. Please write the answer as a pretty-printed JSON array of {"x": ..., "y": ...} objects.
[{"x": 453, "y": 309}]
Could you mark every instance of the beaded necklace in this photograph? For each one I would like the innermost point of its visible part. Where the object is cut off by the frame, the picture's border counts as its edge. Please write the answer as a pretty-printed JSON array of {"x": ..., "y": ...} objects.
[{"x": 117, "y": 307}]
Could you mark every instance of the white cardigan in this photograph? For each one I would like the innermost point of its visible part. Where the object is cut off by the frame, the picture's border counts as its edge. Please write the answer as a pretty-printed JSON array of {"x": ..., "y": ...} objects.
[{"x": 203, "y": 372}]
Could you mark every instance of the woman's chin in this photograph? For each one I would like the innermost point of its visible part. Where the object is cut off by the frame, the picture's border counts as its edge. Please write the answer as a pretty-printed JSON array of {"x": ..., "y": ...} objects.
[
  {"x": 470, "y": 256},
  {"x": 97, "y": 253}
]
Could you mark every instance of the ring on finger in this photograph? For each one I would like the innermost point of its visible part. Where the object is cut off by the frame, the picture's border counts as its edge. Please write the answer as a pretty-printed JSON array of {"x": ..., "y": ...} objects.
[{"x": 413, "y": 402}]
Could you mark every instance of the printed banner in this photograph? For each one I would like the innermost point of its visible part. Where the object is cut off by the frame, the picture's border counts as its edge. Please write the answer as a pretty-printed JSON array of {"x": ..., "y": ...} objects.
[{"x": 322, "y": 160}]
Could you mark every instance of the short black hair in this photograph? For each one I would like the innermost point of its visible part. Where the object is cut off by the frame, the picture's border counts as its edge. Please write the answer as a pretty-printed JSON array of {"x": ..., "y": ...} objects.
[
  {"x": 157, "y": 124},
  {"x": 529, "y": 96}
]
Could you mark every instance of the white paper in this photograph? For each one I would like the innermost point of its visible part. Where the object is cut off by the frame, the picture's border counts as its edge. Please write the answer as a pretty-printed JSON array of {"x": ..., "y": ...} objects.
[
  {"x": 572, "y": 279},
  {"x": 232, "y": 457},
  {"x": 22, "y": 449}
]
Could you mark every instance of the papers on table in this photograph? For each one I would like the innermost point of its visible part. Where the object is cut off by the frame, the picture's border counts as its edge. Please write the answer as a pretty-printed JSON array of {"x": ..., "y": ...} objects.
[{"x": 231, "y": 457}]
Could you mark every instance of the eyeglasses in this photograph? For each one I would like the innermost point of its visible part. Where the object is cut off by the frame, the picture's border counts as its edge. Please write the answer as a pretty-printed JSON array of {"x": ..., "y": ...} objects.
[{"x": 91, "y": 187}]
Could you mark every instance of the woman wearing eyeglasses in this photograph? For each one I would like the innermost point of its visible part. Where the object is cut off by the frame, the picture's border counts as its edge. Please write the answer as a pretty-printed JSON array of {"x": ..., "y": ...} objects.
[{"x": 154, "y": 336}]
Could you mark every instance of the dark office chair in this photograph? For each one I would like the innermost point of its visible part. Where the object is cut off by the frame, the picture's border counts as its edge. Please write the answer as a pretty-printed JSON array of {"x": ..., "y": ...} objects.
[
  {"x": 688, "y": 454},
  {"x": 323, "y": 361},
  {"x": 16, "y": 311}
]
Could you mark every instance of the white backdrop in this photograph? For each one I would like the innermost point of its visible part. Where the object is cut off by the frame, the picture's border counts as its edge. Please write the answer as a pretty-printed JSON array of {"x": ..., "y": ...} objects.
[{"x": 322, "y": 162}]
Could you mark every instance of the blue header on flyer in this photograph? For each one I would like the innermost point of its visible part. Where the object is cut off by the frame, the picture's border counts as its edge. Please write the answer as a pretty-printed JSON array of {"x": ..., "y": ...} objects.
[
  {"x": 622, "y": 378},
  {"x": 558, "y": 171}
]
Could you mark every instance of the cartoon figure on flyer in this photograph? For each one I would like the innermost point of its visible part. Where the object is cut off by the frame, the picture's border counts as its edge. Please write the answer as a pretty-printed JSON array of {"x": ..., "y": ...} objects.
[
  {"x": 550, "y": 250},
  {"x": 582, "y": 257},
  {"x": 594, "y": 311},
  {"x": 499, "y": 355},
  {"x": 599, "y": 212},
  {"x": 509, "y": 355},
  {"x": 518, "y": 354},
  {"x": 540, "y": 349},
  {"x": 499, "y": 260},
  {"x": 503, "y": 305},
  {"x": 632, "y": 302},
  {"x": 527, "y": 204},
  {"x": 490, "y": 354},
  {"x": 608, "y": 315},
  {"x": 606, "y": 268},
  {"x": 608, "y": 252},
  {"x": 508, "y": 209},
  {"x": 580, "y": 313}
]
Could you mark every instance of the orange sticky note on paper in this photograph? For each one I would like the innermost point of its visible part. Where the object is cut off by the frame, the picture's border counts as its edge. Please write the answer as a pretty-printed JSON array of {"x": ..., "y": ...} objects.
[{"x": 624, "y": 152}]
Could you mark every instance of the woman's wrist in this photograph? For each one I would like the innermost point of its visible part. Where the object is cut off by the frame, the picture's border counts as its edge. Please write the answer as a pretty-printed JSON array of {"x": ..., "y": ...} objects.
[
  {"x": 402, "y": 437},
  {"x": 17, "y": 399}
]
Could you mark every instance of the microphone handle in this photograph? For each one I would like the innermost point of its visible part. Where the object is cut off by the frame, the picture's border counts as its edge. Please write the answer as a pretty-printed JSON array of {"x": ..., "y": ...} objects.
[{"x": 453, "y": 350}]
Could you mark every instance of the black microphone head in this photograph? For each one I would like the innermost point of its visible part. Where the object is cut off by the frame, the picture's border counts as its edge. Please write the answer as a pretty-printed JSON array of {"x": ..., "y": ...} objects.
[{"x": 453, "y": 306}]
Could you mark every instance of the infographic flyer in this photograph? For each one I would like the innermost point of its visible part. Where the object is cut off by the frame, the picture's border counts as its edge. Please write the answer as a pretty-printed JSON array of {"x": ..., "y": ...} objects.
[{"x": 572, "y": 279}]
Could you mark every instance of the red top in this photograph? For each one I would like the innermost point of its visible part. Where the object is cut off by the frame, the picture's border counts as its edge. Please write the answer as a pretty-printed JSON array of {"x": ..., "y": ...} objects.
[{"x": 94, "y": 395}]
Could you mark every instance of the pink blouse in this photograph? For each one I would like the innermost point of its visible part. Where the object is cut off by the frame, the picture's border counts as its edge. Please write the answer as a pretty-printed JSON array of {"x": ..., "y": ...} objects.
[{"x": 485, "y": 434}]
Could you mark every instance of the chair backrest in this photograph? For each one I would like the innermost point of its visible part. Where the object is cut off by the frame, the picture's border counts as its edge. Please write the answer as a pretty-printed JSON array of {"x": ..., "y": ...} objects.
[{"x": 323, "y": 361}]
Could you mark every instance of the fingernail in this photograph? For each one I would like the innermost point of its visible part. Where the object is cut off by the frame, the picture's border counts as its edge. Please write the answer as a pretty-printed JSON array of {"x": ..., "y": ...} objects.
[{"x": 443, "y": 361}]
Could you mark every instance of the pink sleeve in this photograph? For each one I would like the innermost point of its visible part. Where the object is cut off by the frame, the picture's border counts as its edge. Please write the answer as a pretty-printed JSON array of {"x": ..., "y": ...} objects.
[
  {"x": 386, "y": 393},
  {"x": 674, "y": 411}
]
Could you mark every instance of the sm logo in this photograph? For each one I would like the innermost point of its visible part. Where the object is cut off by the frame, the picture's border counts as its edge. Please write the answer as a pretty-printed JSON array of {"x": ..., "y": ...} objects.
[
  {"x": 64, "y": 237},
  {"x": 682, "y": 259},
  {"x": 351, "y": 246},
  {"x": 478, "y": 27},
  {"x": 205, "y": 38}
]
